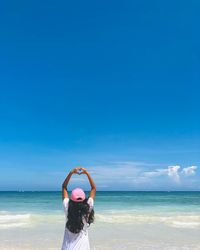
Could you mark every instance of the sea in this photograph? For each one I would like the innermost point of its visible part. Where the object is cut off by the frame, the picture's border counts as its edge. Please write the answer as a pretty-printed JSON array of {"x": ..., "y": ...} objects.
[{"x": 123, "y": 220}]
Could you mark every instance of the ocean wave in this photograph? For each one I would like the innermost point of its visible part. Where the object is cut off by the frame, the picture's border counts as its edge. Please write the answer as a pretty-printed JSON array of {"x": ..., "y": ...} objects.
[
  {"x": 11, "y": 220},
  {"x": 183, "y": 221},
  {"x": 8, "y": 220}
]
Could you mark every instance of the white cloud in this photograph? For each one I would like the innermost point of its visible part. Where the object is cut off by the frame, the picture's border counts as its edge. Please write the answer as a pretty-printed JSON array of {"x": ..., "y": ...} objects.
[
  {"x": 120, "y": 174},
  {"x": 156, "y": 173},
  {"x": 189, "y": 170},
  {"x": 133, "y": 176},
  {"x": 171, "y": 171}
]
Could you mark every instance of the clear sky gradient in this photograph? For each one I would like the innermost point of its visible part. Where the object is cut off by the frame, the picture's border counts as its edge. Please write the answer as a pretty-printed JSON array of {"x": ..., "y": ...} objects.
[{"x": 113, "y": 86}]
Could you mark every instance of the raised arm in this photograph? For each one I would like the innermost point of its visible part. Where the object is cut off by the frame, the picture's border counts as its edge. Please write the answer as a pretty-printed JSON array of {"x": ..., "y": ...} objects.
[
  {"x": 92, "y": 184},
  {"x": 66, "y": 181}
]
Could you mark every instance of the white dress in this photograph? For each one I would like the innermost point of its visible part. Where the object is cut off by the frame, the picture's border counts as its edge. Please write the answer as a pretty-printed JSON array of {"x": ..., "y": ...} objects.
[{"x": 79, "y": 241}]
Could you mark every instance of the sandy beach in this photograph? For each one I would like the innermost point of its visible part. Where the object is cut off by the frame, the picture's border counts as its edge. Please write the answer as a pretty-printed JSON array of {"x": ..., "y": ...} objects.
[{"x": 117, "y": 237}]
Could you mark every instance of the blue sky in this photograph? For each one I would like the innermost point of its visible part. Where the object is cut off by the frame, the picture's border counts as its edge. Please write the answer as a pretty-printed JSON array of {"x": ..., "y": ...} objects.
[{"x": 110, "y": 86}]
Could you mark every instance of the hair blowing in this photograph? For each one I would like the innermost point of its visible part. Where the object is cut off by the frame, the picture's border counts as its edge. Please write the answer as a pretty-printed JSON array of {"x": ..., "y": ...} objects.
[{"x": 76, "y": 212}]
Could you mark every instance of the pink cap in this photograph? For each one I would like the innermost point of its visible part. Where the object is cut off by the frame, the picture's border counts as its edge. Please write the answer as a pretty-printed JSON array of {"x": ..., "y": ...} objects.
[{"x": 78, "y": 195}]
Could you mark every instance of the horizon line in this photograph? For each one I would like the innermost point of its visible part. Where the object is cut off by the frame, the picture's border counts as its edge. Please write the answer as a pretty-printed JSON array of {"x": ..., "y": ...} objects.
[{"x": 167, "y": 191}]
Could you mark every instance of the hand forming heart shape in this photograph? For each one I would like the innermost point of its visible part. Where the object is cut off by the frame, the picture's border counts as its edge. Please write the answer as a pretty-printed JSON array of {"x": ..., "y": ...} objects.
[{"x": 79, "y": 171}]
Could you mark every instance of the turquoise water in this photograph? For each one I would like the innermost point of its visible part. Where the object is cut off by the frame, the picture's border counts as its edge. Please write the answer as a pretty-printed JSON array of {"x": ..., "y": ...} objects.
[
  {"x": 141, "y": 220},
  {"x": 49, "y": 202},
  {"x": 110, "y": 207},
  {"x": 174, "y": 209}
]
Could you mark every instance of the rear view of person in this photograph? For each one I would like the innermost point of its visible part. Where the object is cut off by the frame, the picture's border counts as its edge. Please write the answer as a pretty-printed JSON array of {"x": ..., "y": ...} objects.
[{"x": 79, "y": 212}]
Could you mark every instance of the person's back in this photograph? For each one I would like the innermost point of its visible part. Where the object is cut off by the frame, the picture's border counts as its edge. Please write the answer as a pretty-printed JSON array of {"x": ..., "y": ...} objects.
[
  {"x": 79, "y": 214},
  {"x": 79, "y": 239}
]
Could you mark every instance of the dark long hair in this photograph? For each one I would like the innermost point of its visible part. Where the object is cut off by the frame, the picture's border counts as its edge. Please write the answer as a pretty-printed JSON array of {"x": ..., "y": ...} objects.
[{"x": 76, "y": 212}]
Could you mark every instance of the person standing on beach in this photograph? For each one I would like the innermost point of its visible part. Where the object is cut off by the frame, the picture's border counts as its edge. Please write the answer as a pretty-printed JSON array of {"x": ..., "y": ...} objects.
[{"x": 79, "y": 212}]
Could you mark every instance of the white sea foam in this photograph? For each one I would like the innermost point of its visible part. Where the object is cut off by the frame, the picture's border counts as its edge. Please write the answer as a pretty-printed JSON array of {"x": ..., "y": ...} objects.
[
  {"x": 184, "y": 221},
  {"x": 12, "y": 220},
  {"x": 8, "y": 220},
  {"x": 181, "y": 224}
]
